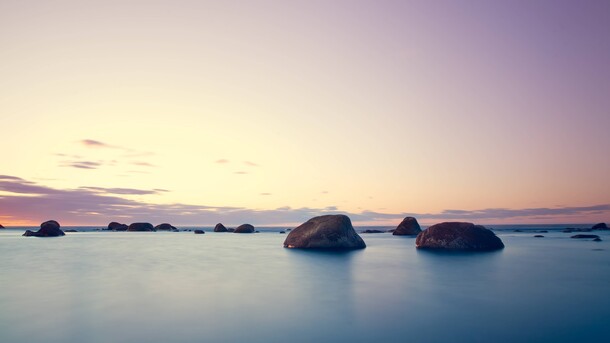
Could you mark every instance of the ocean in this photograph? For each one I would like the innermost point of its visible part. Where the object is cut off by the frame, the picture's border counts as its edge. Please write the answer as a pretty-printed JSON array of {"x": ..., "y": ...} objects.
[{"x": 148, "y": 287}]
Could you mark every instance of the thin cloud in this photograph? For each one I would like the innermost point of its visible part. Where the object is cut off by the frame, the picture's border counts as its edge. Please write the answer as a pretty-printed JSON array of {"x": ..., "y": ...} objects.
[
  {"x": 251, "y": 164},
  {"x": 91, "y": 143},
  {"x": 143, "y": 164},
  {"x": 82, "y": 164},
  {"x": 35, "y": 203},
  {"x": 222, "y": 161},
  {"x": 241, "y": 172},
  {"x": 265, "y": 194}
]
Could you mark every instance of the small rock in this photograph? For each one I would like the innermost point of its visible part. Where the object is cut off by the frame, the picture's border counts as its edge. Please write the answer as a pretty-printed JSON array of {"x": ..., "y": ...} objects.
[
  {"x": 597, "y": 239},
  {"x": 70, "y": 230},
  {"x": 538, "y": 236},
  {"x": 598, "y": 226},
  {"x": 230, "y": 230},
  {"x": 199, "y": 232},
  {"x": 164, "y": 227},
  {"x": 282, "y": 231},
  {"x": 49, "y": 228},
  {"x": 220, "y": 228},
  {"x": 140, "y": 227},
  {"x": 244, "y": 228},
  {"x": 371, "y": 231},
  {"x": 408, "y": 227},
  {"x": 584, "y": 236},
  {"x": 114, "y": 226}
]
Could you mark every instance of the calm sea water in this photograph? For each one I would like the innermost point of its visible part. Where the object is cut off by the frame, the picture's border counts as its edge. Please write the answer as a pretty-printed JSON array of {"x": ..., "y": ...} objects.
[{"x": 224, "y": 287}]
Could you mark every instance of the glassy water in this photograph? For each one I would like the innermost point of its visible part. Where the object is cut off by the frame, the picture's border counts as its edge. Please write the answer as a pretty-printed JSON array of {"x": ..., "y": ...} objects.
[{"x": 224, "y": 287}]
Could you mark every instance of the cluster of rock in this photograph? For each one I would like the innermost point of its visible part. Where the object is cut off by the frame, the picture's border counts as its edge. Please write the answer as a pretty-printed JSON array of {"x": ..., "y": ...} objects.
[
  {"x": 596, "y": 227},
  {"x": 49, "y": 228}
]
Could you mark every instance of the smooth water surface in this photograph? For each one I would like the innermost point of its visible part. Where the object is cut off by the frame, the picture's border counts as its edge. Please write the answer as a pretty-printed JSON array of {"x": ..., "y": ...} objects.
[{"x": 224, "y": 287}]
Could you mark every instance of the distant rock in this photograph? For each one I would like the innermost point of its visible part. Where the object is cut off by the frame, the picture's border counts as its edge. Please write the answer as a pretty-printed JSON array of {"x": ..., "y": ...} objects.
[
  {"x": 220, "y": 228},
  {"x": 408, "y": 227},
  {"x": 176, "y": 230},
  {"x": 325, "y": 232},
  {"x": 568, "y": 230},
  {"x": 598, "y": 226},
  {"x": 458, "y": 236},
  {"x": 70, "y": 230},
  {"x": 580, "y": 236},
  {"x": 230, "y": 230},
  {"x": 1, "y": 227},
  {"x": 244, "y": 228},
  {"x": 543, "y": 231},
  {"x": 165, "y": 227},
  {"x": 597, "y": 239},
  {"x": 199, "y": 232},
  {"x": 538, "y": 236},
  {"x": 140, "y": 227},
  {"x": 49, "y": 228},
  {"x": 283, "y": 231},
  {"x": 517, "y": 230},
  {"x": 371, "y": 231},
  {"x": 114, "y": 226}
]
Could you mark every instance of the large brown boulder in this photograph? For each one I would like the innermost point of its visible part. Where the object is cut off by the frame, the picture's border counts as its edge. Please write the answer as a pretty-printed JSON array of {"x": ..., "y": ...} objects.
[
  {"x": 49, "y": 228},
  {"x": 114, "y": 226},
  {"x": 220, "y": 228},
  {"x": 140, "y": 227},
  {"x": 165, "y": 227},
  {"x": 458, "y": 236},
  {"x": 408, "y": 227},
  {"x": 325, "y": 232},
  {"x": 244, "y": 228}
]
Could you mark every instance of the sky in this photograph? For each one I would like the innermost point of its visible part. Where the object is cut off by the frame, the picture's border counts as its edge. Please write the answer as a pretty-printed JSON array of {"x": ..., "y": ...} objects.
[{"x": 272, "y": 112}]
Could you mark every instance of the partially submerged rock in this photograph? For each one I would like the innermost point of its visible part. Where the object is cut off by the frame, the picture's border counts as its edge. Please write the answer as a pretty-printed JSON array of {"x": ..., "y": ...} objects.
[
  {"x": 325, "y": 232},
  {"x": 582, "y": 236},
  {"x": 598, "y": 226},
  {"x": 49, "y": 228},
  {"x": 220, "y": 228},
  {"x": 114, "y": 226},
  {"x": 538, "y": 236},
  {"x": 165, "y": 227},
  {"x": 199, "y": 232},
  {"x": 458, "y": 236},
  {"x": 140, "y": 227},
  {"x": 70, "y": 230},
  {"x": 244, "y": 228},
  {"x": 408, "y": 227},
  {"x": 371, "y": 231}
]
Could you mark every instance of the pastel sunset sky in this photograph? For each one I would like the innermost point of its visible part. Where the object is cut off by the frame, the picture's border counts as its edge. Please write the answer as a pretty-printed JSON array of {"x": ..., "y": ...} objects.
[{"x": 271, "y": 112}]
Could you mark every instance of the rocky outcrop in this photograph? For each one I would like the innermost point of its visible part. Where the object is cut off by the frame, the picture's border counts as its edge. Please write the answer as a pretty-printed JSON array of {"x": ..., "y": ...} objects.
[
  {"x": 598, "y": 226},
  {"x": 1, "y": 227},
  {"x": 244, "y": 228},
  {"x": 49, "y": 228},
  {"x": 581, "y": 236},
  {"x": 458, "y": 236},
  {"x": 199, "y": 232},
  {"x": 220, "y": 228},
  {"x": 165, "y": 227},
  {"x": 114, "y": 226},
  {"x": 408, "y": 227},
  {"x": 70, "y": 230},
  {"x": 325, "y": 232},
  {"x": 140, "y": 227}
]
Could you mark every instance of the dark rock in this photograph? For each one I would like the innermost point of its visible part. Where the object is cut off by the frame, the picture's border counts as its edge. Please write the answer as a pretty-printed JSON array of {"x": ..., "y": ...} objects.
[
  {"x": 597, "y": 239},
  {"x": 244, "y": 228},
  {"x": 458, "y": 236},
  {"x": 408, "y": 227},
  {"x": 598, "y": 226},
  {"x": 1, "y": 227},
  {"x": 517, "y": 230},
  {"x": 164, "y": 227},
  {"x": 585, "y": 236},
  {"x": 256, "y": 231},
  {"x": 325, "y": 232},
  {"x": 230, "y": 230},
  {"x": 538, "y": 236},
  {"x": 543, "y": 231},
  {"x": 175, "y": 230},
  {"x": 114, "y": 226},
  {"x": 288, "y": 230},
  {"x": 569, "y": 230},
  {"x": 140, "y": 227},
  {"x": 220, "y": 228},
  {"x": 49, "y": 228},
  {"x": 70, "y": 230},
  {"x": 371, "y": 231},
  {"x": 282, "y": 231},
  {"x": 199, "y": 232}
]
